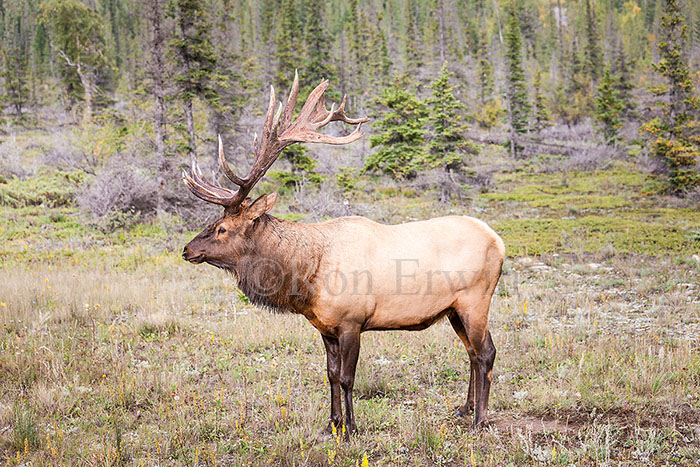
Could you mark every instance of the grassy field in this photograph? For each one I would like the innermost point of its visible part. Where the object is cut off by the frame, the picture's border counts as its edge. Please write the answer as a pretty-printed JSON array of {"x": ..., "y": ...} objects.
[{"x": 113, "y": 351}]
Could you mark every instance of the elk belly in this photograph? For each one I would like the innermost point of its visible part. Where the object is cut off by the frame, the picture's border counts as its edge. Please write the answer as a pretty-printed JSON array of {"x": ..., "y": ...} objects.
[{"x": 403, "y": 276}]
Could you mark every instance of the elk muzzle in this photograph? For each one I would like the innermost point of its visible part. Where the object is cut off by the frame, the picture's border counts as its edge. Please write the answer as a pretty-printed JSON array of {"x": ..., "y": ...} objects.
[{"x": 188, "y": 254}]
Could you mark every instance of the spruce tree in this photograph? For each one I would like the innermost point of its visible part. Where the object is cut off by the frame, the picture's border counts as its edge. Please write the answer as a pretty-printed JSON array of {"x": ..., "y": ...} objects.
[
  {"x": 490, "y": 110},
  {"x": 447, "y": 124},
  {"x": 156, "y": 70},
  {"x": 593, "y": 52},
  {"x": 519, "y": 104},
  {"x": 400, "y": 132},
  {"x": 484, "y": 69},
  {"x": 623, "y": 80},
  {"x": 14, "y": 74},
  {"x": 318, "y": 64},
  {"x": 380, "y": 62},
  {"x": 608, "y": 109},
  {"x": 447, "y": 144},
  {"x": 302, "y": 167},
  {"x": 195, "y": 62},
  {"x": 541, "y": 116},
  {"x": 675, "y": 136},
  {"x": 413, "y": 55},
  {"x": 289, "y": 53},
  {"x": 572, "y": 99},
  {"x": 77, "y": 36}
]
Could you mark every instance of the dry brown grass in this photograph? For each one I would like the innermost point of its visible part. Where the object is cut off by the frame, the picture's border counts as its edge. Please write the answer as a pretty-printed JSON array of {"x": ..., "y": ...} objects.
[{"x": 161, "y": 364}]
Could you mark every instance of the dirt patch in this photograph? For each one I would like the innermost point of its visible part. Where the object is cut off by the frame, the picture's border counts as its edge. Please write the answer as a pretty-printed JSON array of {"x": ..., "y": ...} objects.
[{"x": 505, "y": 423}]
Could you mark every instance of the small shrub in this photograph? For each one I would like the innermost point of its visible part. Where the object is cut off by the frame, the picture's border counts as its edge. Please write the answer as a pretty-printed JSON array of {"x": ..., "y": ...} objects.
[
  {"x": 10, "y": 160},
  {"x": 25, "y": 429},
  {"x": 322, "y": 202},
  {"x": 347, "y": 179},
  {"x": 152, "y": 325},
  {"x": 55, "y": 190},
  {"x": 120, "y": 195}
]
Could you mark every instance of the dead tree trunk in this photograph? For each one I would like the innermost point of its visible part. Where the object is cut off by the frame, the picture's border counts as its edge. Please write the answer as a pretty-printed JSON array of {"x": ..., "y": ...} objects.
[
  {"x": 87, "y": 81},
  {"x": 157, "y": 72},
  {"x": 509, "y": 92}
]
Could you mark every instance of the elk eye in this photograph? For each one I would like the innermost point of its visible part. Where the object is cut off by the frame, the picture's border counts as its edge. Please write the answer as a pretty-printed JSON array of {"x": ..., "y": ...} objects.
[{"x": 222, "y": 230}]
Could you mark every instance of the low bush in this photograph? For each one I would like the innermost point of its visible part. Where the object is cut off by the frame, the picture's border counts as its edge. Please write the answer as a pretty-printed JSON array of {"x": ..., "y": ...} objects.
[
  {"x": 119, "y": 195},
  {"x": 57, "y": 189}
]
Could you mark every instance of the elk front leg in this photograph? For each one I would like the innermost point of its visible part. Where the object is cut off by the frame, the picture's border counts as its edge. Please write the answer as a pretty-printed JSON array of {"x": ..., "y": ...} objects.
[
  {"x": 349, "y": 351},
  {"x": 333, "y": 367}
]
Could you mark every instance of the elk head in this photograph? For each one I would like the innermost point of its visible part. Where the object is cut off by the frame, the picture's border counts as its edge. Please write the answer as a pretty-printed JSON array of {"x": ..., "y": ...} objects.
[{"x": 226, "y": 240}]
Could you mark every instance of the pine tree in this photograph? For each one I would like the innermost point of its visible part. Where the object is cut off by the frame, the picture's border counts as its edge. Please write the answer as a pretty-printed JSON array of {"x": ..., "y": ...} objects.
[
  {"x": 447, "y": 144},
  {"x": 675, "y": 136},
  {"x": 593, "y": 52},
  {"x": 14, "y": 74},
  {"x": 623, "y": 80},
  {"x": 302, "y": 167},
  {"x": 490, "y": 110},
  {"x": 608, "y": 109},
  {"x": 379, "y": 61},
  {"x": 195, "y": 62},
  {"x": 413, "y": 55},
  {"x": 484, "y": 69},
  {"x": 515, "y": 75},
  {"x": 572, "y": 99},
  {"x": 318, "y": 64},
  {"x": 78, "y": 38},
  {"x": 289, "y": 53},
  {"x": 157, "y": 74},
  {"x": 352, "y": 66},
  {"x": 541, "y": 116},
  {"x": 400, "y": 132},
  {"x": 447, "y": 123}
]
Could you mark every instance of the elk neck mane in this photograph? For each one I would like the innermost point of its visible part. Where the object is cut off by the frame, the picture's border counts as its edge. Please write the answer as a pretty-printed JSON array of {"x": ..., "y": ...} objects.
[{"x": 278, "y": 271}]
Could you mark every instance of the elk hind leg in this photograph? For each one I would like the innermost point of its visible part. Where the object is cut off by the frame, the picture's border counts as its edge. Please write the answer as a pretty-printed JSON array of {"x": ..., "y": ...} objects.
[
  {"x": 458, "y": 326},
  {"x": 473, "y": 311}
]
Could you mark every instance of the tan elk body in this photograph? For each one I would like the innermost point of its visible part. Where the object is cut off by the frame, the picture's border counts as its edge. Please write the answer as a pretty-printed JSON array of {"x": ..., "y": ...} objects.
[{"x": 351, "y": 275}]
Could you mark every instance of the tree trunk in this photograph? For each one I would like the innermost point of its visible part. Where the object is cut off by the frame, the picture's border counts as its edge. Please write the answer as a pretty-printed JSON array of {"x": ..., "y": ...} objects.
[
  {"x": 190, "y": 129},
  {"x": 157, "y": 71},
  {"x": 88, "y": 92},
  {"x": 442, "y": 33},
  {"x": 559, "y": 40},
  {"x": 509, "y": 92}
]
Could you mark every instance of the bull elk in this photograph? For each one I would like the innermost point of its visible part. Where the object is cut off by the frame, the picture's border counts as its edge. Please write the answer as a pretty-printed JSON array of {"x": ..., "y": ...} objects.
[{"x": 351, "y": 275}]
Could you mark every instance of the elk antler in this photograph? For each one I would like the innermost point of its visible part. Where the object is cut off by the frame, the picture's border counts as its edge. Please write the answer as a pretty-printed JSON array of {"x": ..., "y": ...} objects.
[{"x": 312, "y": 117}]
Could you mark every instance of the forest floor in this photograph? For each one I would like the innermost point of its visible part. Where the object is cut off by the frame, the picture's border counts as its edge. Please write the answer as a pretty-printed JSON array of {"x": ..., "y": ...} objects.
[{"x": 115, "y": 351}]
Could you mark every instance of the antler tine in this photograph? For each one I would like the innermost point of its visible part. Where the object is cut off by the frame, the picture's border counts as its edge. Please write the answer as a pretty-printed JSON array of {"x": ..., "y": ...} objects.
[
  {"x": 325, "y": 120},
  {"x": 268, "y": 130},
  {"x": 337, "y": 140},
  {"x": 206, "y": 186},
  {"x": 202, "y": 191},
  {"x": 225, "y": 167},
  {"x": 339, "y": 115},
  {"x": 309, "y": 108},
  {"x": 291, "y": 103}
]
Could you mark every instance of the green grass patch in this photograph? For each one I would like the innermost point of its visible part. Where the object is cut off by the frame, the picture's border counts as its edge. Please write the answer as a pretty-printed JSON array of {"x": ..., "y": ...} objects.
[
  {"x": 57, "y": 189},
  {"x": 589, "y": 234}
]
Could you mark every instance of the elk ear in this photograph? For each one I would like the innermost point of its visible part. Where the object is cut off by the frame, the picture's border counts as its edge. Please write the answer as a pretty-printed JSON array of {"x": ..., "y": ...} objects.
[{"x": 261, "y": 205}]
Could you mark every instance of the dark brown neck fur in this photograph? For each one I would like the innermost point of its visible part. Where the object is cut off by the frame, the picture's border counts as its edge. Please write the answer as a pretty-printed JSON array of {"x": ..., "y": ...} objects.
[{"x": 278, "y": 271}]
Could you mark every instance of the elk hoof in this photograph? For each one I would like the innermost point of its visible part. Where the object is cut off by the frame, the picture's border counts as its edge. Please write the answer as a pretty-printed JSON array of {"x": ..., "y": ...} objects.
[
  {"x": 481, "y": 425},
  {"x": 464, "y": 411},
  {"x": 325, "y": 433}
]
